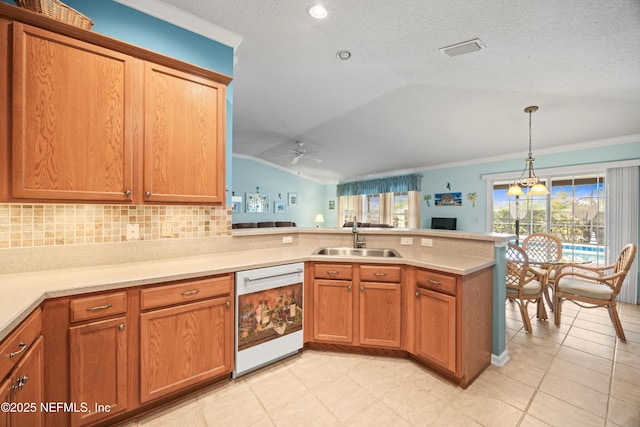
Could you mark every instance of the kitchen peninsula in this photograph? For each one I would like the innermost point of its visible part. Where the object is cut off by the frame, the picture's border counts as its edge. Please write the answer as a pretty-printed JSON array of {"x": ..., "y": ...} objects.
[{"x": 462, "y": 263}]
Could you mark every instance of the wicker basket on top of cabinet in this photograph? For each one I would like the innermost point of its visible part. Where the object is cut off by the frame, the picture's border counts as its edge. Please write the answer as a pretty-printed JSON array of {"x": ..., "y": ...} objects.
[{"x": 57, "y": 10}]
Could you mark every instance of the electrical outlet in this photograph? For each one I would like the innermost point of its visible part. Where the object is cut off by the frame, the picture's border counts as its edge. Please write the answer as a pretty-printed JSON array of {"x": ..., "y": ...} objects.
[
  {"x": 406, "y": 241},
  {"x": 426, "y": 242},
  {"x": 165, "y": 229},
  {"x": 133, "y": 231},
  {"x": 287, "y": 239}
]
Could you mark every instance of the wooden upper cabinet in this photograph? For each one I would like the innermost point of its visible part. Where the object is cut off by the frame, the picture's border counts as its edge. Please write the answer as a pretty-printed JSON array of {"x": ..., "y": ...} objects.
[
  {"x": 72, "y": 119},
  {"x": 184, "y": 137}
]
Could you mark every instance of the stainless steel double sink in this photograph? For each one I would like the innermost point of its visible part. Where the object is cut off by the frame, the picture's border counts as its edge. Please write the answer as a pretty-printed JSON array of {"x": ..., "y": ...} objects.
[{"x": 363, "y": 252}]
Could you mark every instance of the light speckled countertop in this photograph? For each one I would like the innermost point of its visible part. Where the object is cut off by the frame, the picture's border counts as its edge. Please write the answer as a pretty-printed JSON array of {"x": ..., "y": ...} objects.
[{"x": 23, "y": 292}]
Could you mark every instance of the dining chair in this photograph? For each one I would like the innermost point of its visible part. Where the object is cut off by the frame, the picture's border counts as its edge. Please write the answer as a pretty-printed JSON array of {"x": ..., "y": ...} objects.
[
  {"x": 544, "y": 247},
  {"x": 524, "y": 284},
  {"x": 593, "y": 287}
]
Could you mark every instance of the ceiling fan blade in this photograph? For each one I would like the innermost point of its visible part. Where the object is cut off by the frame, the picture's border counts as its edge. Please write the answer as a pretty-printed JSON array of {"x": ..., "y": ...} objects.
[{"x": 295, "y": 160}]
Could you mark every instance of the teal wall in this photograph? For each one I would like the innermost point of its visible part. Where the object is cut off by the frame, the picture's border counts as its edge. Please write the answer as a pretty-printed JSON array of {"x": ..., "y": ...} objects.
[
  {"x": 134, "y": 27},
  {"x": 468, "y": 179},
  {"x": 312, "y": 197}
]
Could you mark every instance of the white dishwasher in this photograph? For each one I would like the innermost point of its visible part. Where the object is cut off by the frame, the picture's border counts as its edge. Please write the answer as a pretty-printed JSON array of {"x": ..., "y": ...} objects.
[{"x": 268, "y": 315}]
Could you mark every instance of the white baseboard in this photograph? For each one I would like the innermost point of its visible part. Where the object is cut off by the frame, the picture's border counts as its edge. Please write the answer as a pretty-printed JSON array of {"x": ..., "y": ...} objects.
[{"x": 500, "y": 360}]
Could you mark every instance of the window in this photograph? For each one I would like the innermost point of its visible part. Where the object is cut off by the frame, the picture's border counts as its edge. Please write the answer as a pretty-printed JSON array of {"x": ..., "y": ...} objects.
[
  {"x": 573, "y": 211},
  {"x": 399, "y": 210}
]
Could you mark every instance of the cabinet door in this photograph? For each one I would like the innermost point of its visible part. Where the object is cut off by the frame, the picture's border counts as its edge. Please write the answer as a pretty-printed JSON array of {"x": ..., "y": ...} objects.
[
  {"x": 27, "y": 387},
  {"x": 98, "y": 369},
  {"x": 436, "y": 328},
  {"x": 72, "y": 119},
  {"x": 183, "y": 345},
  {"x": 5, "y": 397},
  {"x": 184, "y": 137},
  {"x": 380, "y": 307},
  {"x": 333, "y": 311}
]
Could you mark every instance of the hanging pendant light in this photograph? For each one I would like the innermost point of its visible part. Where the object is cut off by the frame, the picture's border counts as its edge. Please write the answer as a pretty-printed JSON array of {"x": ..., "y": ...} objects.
[{"x": 531, "y": 181}]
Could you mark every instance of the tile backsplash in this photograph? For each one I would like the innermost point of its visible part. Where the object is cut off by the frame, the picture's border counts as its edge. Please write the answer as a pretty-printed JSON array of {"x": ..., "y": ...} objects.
[{"x": 33, "y": 225}]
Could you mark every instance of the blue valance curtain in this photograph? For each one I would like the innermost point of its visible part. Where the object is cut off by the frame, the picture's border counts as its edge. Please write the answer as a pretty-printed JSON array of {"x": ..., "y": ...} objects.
[{"x": 394, "y": 184}]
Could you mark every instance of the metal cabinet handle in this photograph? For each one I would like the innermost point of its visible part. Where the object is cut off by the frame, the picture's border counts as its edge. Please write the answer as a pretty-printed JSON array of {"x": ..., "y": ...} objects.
[
  {"x": 147, "y": 194},
  {"x": 361, "y": 288},
  {"x": 23, "y": 348},
  {"x": 100, "y": 307},
  {"x": 434, "y": 282},
  {"x": 379, "y": 274},
  {"x": 417, "y": 294},
  {"x": 332, "y": 272},
  {"x": 349, "y": 287},
  {"x": 228, "y": 304},
  {"x": 195, "y": 291},
  {"x": 127, "y": 193},
  {"x": 121, "y": 327},
  {"x": 20, "y": 382}
]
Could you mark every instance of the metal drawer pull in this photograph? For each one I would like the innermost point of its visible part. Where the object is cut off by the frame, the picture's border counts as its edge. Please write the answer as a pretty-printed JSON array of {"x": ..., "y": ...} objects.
[
  {"x": 417, "y": 294},
  {"x": 23, "y": 348},
  {"x": 20, "y": 382},
  {"x": 195, "y": 291},
  {"x": 228, "y": 304},
  {"x": 379, "y": 274},
  {"x": 100, "y": 307},
  {"x": 349, "y": 287},
  {"x": 434, "y": 282},
  {"x": 121, "y": 327},
  {"x": 332, "y": 272},
  {"x": 361, "y": 288}
]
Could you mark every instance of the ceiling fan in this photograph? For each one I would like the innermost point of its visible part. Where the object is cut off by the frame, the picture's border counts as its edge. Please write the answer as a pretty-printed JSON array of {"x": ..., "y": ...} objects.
[{"x": 299, "y": 152}]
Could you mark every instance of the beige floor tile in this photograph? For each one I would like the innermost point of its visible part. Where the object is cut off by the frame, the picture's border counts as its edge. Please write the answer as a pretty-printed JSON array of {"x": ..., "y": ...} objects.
[
  {"x": 623, "y": 414},
  {"x": 630, "y": 346},
  {"x": 177, "y": 415},
  {"x": 580, "y": 358},
  {"x": 630, "y": 335},
  {"x": 530, "y": 421},
  {"x": 589, "y": 347},
  {"x": 602, "y": 328},
  {"x": 557, "y": 412},
  {"x": 528, "y": 355},
  {"x": 452, "y": 418},
  {"x": 629, "y": 373},
  {"x": 414, "y": 403},
  {"x": 627, "y": 391},
  {"x": 233, "y": 404},
  {"x": 579, "y": 374},
  {"x": 576, "y": 394},
  {"x": 590, "y": 335},
  {"x": 536, "y": 344},
  {"x": 627, "y": 358},
  {"x": 343, "y": 397},
  {"x": 520, "y": 371},
  {"x": 507, "y": 389},
  {"x": 375, "y": 377},
  {"x": 289, "y": 387},
  {"x": 485, "y": 409},
  {"x": 304, "y": 410},
  {"x": 377, "y": 414}
]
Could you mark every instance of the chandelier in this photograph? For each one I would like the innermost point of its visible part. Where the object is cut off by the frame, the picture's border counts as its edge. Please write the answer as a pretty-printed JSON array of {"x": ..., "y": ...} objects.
[{"x": 528, "y": 177}]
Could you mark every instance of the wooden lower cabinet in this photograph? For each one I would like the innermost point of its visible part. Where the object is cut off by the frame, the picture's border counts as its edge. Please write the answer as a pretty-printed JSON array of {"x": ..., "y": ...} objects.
[
  {"x": 183, "y": 345},
  {"x": 24, "y": 390},
  {"x": 349, "y": 307},
  {"x": 380, "y": 314},
  {"x": 98, "y": 368},
  {"x": 436, "y": 328},
  {"x": 333, "y": 311}
]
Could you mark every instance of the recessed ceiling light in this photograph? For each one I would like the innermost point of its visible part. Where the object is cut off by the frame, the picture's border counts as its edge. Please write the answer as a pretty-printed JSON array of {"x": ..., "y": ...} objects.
[
  {"x": 462, "y": 48},
  {"x": 317, "y": 11},
  {"x": 343, "y": 55}
]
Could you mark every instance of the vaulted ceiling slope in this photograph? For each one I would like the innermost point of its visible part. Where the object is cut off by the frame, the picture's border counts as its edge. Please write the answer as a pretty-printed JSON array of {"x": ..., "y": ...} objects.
[{"x": 401, "y": 104}]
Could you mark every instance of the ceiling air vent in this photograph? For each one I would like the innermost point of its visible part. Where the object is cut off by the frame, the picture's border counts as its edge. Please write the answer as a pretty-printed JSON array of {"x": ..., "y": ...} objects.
[{"x": 462, "y": 48}]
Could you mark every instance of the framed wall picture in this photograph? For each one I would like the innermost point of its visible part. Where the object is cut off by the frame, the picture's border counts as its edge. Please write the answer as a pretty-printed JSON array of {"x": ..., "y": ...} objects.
[
  {"x": 257, "y": 203},
  {"x": 279, "y": 206},
  {"x": 448, "y": 199},
  {"x": 293, "y": 199}
]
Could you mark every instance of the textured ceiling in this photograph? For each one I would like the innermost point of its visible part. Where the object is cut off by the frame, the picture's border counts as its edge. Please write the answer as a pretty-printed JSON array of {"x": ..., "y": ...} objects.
[{"x": 399, "y": 104}]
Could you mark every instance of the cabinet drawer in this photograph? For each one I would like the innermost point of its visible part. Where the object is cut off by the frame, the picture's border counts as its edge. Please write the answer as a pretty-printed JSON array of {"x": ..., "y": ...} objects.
[
  {"x": 380, "y": 273},
  {"x": 98, "y": 306},
  {"x": 333, "y": 271},
  {"x": 18, "y": 342},
  {"x": 187, "y": 291},
  {"x": 436, "y": 282}
]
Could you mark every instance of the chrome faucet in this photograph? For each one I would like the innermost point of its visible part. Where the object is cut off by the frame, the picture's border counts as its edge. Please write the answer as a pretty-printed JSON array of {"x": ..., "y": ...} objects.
[{"x": 356, "y": 243}]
